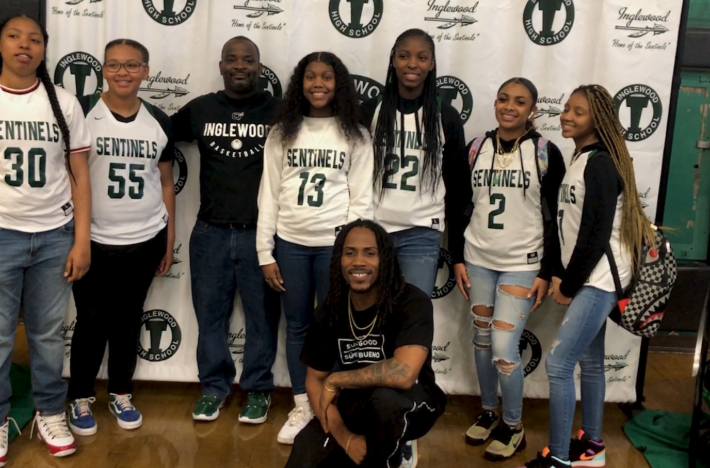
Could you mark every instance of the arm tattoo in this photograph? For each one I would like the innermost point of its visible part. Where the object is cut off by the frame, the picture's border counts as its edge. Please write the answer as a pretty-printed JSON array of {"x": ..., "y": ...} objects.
[{"x": 390, "y": 373}]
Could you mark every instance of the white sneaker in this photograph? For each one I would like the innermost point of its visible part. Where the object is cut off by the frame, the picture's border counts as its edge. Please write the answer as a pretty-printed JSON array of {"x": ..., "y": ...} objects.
[
  {"x": 298, "y": 418},
  {"x": 54, "y": 432},
  {"x": 5, "y": 439}
]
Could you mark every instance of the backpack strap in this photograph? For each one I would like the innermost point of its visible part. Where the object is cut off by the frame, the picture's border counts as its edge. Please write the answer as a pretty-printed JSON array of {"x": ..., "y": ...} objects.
[
  {"x": 542, "y": 149},
  {"x": 475, "y": 149}
]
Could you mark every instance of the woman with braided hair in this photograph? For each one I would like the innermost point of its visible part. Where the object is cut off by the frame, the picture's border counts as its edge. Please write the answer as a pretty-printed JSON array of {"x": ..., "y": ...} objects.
[
  {"x": 599, "y": 211},
  {"x": 420, "y": 170},
  {"x": 45, "y": 218}
]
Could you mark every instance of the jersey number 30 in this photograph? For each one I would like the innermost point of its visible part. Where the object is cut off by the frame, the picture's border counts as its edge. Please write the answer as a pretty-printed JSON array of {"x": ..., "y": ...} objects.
[
  {"x": 36, "y": 166},
  {"x": 116, "y": 173}
]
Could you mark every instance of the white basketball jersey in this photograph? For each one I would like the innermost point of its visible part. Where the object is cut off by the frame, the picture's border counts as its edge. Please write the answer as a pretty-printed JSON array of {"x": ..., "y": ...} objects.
[
  {"x": 126, "y": 191},
  {"x": 35, "y": 194},
  {"x": 408, "y": 201},
  {"x": 506, "y": 229},
  {"x": 569, "y": 217}
]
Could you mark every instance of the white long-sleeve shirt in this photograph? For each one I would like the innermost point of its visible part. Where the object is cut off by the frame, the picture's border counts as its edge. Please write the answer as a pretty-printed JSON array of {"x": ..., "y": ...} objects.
[{"x": 314, "y": 186}]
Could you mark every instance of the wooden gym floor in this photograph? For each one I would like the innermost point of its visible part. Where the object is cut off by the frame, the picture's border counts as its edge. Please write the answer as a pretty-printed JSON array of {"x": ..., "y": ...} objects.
[{"x": 170, "y": 439}]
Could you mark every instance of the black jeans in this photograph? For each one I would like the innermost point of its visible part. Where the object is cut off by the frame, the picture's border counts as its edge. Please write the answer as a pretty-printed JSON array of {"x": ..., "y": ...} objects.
[
  {"x": 386, "y": 417},
  {"x": 109, "y": 304}
]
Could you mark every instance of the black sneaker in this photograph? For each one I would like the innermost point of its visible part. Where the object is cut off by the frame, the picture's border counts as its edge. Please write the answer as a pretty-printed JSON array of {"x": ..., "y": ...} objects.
[
  {"x": 584, "y": 452},
  {"x": 481, "y": 430},
  {"x": 507, "y": 441},
  {"x": 546, "y": 460}
]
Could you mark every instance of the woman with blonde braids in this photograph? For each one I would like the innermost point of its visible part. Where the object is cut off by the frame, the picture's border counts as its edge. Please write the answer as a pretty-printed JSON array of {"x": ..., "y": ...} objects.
[{"x": 598, "y": 206}]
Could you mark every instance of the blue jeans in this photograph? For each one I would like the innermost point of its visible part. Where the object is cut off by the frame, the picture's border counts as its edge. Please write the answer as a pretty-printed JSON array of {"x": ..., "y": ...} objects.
[
  {"x": 493, "y": 343},
  {"x": 32, "y": 272},
  {"x": 418, "y": 255},
  {"x": 306, "y": 275},
  {"x": 222, "y": 259},
  {"x": 579, "y": 339}
]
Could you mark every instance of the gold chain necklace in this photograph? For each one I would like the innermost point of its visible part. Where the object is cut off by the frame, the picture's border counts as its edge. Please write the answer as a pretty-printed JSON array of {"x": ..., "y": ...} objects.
[
  {"x": 354, "y": 325},
  {"x": 503, "y": 160}
]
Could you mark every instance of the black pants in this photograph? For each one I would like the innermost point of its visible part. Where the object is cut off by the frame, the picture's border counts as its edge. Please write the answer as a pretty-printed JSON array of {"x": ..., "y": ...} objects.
[
  {"x": 386, "y": 417},
  {"x": 109, "y": 304}
]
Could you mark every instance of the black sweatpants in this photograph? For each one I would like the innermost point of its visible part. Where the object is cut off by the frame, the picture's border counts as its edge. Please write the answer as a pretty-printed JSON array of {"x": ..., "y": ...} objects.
[
  {"x": 109, "y": 304},
  {"x": 386, "y": 417}
]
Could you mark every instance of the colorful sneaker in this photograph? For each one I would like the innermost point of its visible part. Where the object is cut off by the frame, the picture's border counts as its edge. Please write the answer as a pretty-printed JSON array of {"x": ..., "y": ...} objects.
[
  {"x": 479, "y": 433},
  {"x": 256, "y": 409},
  {"x": 410, "y": 454},
  {"x": 546, "y": 460},
  {"x": 54, "y": 432},
  {"x": 81, "y": 420},
  {"x": 507, "y": 441},
  {"x": 127, "y": 416},
  {"x": 5, "y": 439},
  {"x": 584, "y": 452},
  {"x": 207, "y": 408},
  {"x": 298, "y": 418}
]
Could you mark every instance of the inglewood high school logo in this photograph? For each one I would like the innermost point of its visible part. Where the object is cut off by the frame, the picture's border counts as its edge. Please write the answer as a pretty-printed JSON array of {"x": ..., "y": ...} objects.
[
  {"x": 179, "y": 171},
  {"x": 356, "y": 18},
  {"x": 446, "y": 277},
  {"x": 640, "y": 111},
  {"x": 456, "y": 93},
  {"x": 530, "y": 352},
  {"x": 545, "y": 22},
  {"x": 270, "y": 83},
  {"x": 160, "y": 337},
  {"x": 366, "y": 88},
  {"x": 79, "y": 73},
  {"x": 169, "y": 12}
]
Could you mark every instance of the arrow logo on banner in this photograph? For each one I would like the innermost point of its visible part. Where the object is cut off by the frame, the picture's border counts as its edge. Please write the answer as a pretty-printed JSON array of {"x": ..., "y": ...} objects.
[
  {"x": 163, "y": 93},
  {"x": 269, "y": 9},
  {"x": 551, "y": 112},
  {"x": 615, "y": 367},
  {"x": 451, "y": 22},
  {"x": 640, "y": 32},
  {"x": 76, "y": 2}
]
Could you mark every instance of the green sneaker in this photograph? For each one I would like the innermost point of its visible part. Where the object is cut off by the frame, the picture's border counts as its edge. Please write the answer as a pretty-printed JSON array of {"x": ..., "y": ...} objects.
[
  {"x": 256, "y": 408},
  {"x": 507, "y": 441},
  {"x": 207, "y": 408}
]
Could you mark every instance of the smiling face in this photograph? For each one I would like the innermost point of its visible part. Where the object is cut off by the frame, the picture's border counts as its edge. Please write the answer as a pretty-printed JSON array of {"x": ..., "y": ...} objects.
[
  {"x": 240, "y": 68},
  {"x": 514, "y": 106},
  {"x": 22, "y": 48},
  {"x": 413, "y": 60},
  {"x": 319, "y": 87},
  {"x": 360, "y": 263},
  {"x": 576, "y": 119},
  {"x": 125, "y": 81}
]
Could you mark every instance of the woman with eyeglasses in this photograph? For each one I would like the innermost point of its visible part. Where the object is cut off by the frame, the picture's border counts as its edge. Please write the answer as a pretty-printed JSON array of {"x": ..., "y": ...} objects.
[{"x": 132, "y": 233}]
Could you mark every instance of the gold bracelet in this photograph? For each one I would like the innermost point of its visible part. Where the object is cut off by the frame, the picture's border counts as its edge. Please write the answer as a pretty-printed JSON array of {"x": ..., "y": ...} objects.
[
  {"x": 347, "y": 446},
  {"x": 329, "y": 389}
]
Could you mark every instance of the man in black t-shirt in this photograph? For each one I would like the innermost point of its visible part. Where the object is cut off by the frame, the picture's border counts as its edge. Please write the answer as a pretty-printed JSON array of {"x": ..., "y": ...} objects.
[
  {"x": 230, "y": 127},
  {"x": 378, "y": 330}
]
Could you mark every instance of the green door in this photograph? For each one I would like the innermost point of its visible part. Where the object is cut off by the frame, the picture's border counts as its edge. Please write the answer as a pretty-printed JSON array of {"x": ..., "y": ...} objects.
[{"x": 687, "y": 210}]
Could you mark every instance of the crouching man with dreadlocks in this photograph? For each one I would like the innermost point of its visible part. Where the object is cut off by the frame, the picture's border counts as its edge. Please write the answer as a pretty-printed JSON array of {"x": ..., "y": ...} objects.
[{"x": 379, "y": 330}]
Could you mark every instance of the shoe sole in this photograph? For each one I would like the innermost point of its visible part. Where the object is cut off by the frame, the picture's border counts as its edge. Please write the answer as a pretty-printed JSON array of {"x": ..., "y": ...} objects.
[
  {"x": 284, "y": 441},
  {"x": 130, "y": 424},
  {"x": 495, "y": 457},
  {"x": 61, "y": 452},
  {"x": 204, "y": 417},
  {"x": 589, "y": 464},
  {"x": 476, "y": 442},
  {"x": 82, "y": 431},
  {"x": 255, "y": 421}
]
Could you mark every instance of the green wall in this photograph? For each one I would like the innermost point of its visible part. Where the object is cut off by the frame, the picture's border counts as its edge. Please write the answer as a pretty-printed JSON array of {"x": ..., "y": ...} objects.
[{"x": 699, "y": 15}]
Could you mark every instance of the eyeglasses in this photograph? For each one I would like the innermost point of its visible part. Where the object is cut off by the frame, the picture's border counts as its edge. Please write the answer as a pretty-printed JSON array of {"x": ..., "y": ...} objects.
[{"x": 131, "y": 67}]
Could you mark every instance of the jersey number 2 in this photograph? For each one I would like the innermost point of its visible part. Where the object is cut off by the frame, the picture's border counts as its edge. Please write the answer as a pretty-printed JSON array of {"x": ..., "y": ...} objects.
[
  {"x": 36, "y": 167},
  {"x": 496, "y": 197},
  {"x": 135, "y": 191}
]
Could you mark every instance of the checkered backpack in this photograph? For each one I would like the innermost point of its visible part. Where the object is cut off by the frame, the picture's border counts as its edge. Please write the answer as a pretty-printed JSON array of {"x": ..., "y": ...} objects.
[{"x": 641, "y": 307}]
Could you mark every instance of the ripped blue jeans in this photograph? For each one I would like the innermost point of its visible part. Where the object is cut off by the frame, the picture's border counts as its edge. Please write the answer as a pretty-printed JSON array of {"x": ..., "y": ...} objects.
[{"x": 494, "y": 340}]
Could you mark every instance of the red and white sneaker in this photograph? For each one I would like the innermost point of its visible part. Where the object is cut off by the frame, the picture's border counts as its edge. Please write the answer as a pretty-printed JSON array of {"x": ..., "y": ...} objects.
[
  {"x": 54, "y": 432},
  {"x": 5, "y": 439}
]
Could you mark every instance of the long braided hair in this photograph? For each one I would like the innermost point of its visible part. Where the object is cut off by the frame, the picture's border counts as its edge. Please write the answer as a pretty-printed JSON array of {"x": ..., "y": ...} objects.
[
  {"x": 43, "y": 76},
  {"x": 390, "y": 282},
  {"x": 344, "y": 103},
  {"x": 384, "y": 138},
  {"x": 635, "y": 226}
]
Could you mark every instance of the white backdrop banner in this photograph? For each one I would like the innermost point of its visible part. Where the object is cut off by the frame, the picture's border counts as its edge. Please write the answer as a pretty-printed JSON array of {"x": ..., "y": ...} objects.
[{"x": 628, "y": 46}]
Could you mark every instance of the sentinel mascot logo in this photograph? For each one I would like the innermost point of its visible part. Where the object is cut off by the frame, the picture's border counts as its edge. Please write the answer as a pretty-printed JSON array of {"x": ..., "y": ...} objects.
[
  {"x": 169, "y": 12},
  {"x": 161, "y": 336},
  {"x": 457, "y": 94},
  {"x": 635, "y": 104},
  {"x": 543, "y": 20},
  {"x": 364, "y": 16},
  {"x": 79, "y": 73}
]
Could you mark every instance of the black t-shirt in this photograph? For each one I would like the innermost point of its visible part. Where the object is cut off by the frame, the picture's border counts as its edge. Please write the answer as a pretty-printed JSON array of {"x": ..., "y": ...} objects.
[
  {"x": 411, "y": 324},
  {"x": 230, "y": 135}
]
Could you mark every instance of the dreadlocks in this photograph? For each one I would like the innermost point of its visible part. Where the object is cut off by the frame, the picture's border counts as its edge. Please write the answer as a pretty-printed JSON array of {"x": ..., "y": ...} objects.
[
  {"x": 635, "y": 226},
  {"x": 384, "y": 137},
  {"x": 390, "y": 282}
]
